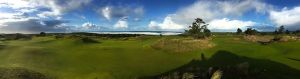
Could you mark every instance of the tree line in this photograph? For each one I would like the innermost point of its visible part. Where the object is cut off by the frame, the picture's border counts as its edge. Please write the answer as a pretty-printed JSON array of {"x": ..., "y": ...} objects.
[
  {"x": 199, "y": 29},
  {"x": 278, "y": 31}
]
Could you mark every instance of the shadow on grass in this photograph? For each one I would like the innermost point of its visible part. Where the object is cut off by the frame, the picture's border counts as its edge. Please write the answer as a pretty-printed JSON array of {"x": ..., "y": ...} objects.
[
  {"x": 293, "y": 59},
  {"x": 232, "y": 67},
  {"x": 21, "y": 73},
  {"x": 2, "y": 46}
]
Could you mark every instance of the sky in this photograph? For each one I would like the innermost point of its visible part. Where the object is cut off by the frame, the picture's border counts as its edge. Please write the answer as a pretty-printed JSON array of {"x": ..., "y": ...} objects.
[{"x": 34, "y": 16}]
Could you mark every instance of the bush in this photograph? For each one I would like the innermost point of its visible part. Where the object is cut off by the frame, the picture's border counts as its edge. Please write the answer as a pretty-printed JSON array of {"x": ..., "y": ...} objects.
[
  {"x": 17, "y": 36},
  {"x": 277, "y": 38},
  {"x": 59, "y": 36}
]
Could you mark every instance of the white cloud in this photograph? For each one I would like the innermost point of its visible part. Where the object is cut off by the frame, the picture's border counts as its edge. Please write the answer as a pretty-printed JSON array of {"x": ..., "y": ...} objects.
[
  {"x": 56, "y": 7},
  {"x": 211, "y": 10},
  {"x": 7, "y": 15},
  {"x": 238, "y": 8},
  {"x": 23, "y": 6},
  {"x": 229, "y": 25},
  {"x": 110, "y": 12},
  {"x": 106, "y": 12},
  {"x": 121, "y": 23},
  {"x": 167, "y": 24},
  {"x": 90, "y": 26},
  {"x": 287, "y": 17},
  {"x": 16, "y": 4},
  {"x": 153, "y": 25}
]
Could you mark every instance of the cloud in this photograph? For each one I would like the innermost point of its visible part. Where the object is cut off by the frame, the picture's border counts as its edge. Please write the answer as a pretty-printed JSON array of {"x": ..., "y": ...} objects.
[
  {"x": 226, "y": 24},
  {"x": 287, "y": 17},
  {"x": 121, "y": 23},
  {"x": 30, "y": 16},
  {"x": 213, "y": 10},
  {"x": 239, "y": 7},
  {"x": 16, "y": 4},
  {"x": 153, "y": 25},
  {"x": 90, "y": 26},
  {"x": 106, "y": 12},
  {"x": 167, "y": 24},
  {"x": 55, "y": 7},
  {"x": 58, "y": 7},
  {"x": 110, "y": 12},
  {"x": 33, "y": 26},
  {"x": 10, "y": 17}
]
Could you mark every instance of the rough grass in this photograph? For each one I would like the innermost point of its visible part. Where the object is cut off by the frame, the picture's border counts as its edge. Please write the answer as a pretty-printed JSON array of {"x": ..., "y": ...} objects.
[
  {"x": 182, "y": 45},
  {"x": 255, "y": 38},
  {"x": 266, "y": 38},
  {"x": 21, "y": 73}
]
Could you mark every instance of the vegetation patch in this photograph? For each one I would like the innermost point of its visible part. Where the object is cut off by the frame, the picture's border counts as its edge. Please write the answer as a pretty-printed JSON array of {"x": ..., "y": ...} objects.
[
  {"x": 88, "y": 40},
  {"x": 287, "y": 38},
  {"x": 2, "y": 45},
  {"x": 182, "y": 45},
  {"x": 37, "y": 52},
  {"x": 20, "y": 73},
  {"x": 255, "y": 38},
  {"x": 265, "y": 40}
]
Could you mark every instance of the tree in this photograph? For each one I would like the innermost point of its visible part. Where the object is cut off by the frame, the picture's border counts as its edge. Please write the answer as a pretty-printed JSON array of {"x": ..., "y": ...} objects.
[
  {"x": 207, "y": 32},
  {"x": 251, "y": 31},
  {"x": 42, "y": 34},
  {"x": 287, "y": 32},
  {"x": 297, "y": 32},
  {"x": 281, "y": 30},
  {"x": 276, "y": 32},
  {"x": 198, "y": 29},
  {"x": 239, "y": 31}
]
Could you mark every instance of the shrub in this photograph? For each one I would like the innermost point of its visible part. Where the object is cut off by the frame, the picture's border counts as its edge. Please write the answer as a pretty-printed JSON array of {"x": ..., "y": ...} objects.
[
  {"x": 59, "y": 36},
  {"x": 17, "y": 36}
]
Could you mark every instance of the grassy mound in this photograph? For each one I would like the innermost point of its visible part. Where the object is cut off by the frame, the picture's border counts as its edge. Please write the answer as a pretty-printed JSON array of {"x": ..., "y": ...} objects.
[
  {"x": 182, "y": 45},
  {"x": 255, "y": 38}
]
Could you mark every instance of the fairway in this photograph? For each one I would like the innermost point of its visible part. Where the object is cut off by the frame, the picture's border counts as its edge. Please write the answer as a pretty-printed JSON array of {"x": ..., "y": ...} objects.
[{"x": 132, "y": 58}]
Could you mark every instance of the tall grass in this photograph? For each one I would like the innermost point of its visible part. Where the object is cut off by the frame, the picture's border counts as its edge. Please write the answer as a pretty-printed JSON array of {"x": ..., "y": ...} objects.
[{"x": 182, "y": 45}]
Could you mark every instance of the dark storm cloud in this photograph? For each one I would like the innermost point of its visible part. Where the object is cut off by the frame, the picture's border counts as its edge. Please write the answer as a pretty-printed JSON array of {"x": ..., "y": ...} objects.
[{"x": 34, "y": 26}]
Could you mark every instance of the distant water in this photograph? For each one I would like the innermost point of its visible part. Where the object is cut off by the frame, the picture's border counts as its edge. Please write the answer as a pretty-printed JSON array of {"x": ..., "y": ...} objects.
[{"x": 140, "y": 32}]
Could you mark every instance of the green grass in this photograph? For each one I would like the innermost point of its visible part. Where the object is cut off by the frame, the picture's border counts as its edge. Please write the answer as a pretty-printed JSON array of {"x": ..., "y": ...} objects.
[
  {"x": 71, "y": 59},
  {"x": 126, "y": 59}
]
